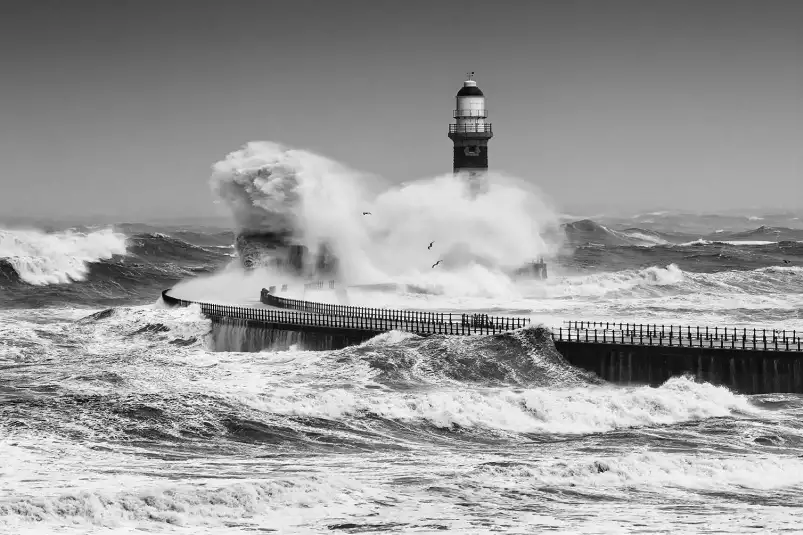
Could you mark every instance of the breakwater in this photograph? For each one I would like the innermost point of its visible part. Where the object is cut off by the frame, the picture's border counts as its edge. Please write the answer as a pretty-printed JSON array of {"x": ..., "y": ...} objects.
[
  {"x": 320, "y": 326},
  {"x": 754, "y": 361},
  {"x": 746, "y": 360},
  {"x": 452, "y": 323}
]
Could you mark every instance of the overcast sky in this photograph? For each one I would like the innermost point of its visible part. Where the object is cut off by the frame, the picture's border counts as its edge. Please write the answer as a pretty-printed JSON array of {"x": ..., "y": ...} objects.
[{"x": 120, "y": 107}]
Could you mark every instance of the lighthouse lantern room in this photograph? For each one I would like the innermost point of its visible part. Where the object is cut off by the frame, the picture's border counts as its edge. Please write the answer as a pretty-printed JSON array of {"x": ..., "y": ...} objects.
[{"x": 470, "y": 133}]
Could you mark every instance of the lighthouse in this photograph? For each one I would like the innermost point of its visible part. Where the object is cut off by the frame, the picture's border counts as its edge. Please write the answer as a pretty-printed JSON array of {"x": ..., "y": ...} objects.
[{"x": 470, "y": 133}]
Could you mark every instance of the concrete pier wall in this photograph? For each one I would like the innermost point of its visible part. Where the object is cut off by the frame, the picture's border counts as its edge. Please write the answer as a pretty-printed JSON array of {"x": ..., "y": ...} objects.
[
  {"x": 744, "y": 370},
  {"x": 230, "y": 334},
  {"x": 746, "y": 362}
]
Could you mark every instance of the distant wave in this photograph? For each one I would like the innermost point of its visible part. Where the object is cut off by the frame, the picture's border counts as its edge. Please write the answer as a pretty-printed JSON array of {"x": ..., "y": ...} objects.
[
  {"x": 655, "y": 281},
  {"x": 98, "y": 267},
  {"x": 735, "y": 243},
  {"x": 41, "y": 258},
  {"x": 775, "y": 233},
  {"x": 589, "y": 233},
  {"x": 604, "y": 284},
  {"x": 158, "y": 245}
]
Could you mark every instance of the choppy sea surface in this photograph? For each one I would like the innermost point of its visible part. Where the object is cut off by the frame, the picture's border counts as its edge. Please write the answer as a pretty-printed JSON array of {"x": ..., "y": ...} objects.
[{"x": 115, "y": 417}]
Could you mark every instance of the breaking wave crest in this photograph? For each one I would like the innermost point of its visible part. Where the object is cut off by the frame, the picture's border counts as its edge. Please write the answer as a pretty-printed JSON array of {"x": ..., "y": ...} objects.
[
  {"x": 553, "y": 410},
  {"x": 511, "y": 383},
  {"x": 526, "y": 357},
  {"x": 101, "y": 267},
  {"x": 41, "y": 258}
]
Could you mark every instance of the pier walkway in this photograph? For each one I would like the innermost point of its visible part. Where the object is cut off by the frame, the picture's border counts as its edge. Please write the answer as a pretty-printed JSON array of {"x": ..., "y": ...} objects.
[
  {"x": 290, "y": 313},
  {"x": 751, "y": 361},
  {"x": 679, "y": 336},
  {"x": 294, "y": 313}
]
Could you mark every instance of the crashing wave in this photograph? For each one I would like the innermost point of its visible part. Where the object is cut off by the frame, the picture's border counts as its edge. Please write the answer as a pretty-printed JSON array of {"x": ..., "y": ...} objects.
[
  {"x": 306, "y": 214},
  {"x": 284, "y": 203},
  {"x": 41, "y": 258}
]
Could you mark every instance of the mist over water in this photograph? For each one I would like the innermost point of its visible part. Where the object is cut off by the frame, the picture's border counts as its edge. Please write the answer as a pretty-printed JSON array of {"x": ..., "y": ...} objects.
[{"x": 117, "y": 416}]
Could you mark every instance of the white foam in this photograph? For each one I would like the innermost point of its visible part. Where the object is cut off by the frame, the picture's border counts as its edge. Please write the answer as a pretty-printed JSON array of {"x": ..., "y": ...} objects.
[
  {"x": 56, "y": 258},
  {"x": 599, "y": 284},
  {"x": 56, "y": 484},
  {"x": 646, "y": 238},
  {"x": 736, "y": 243},
  {"x": 101, "y": 483},
  {"x": 653, "y": 469},
  {"x": 548, "y": 410},
  {"x": 476, "y": 235}
]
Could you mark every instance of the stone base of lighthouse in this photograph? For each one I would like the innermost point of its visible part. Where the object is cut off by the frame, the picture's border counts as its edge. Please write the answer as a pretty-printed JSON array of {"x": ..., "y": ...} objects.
[
  {"x": 470, "y": 154},
  {"x": 471, "y": 162}
]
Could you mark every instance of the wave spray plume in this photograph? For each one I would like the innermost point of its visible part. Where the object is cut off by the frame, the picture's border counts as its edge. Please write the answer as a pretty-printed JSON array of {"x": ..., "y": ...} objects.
[{"x": 297, "y": 197}]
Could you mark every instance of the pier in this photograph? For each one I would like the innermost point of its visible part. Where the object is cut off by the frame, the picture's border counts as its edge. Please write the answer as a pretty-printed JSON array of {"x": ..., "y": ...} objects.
[
  {"x": 746, "y": 360},
  {"x": 753, "y": 361}
]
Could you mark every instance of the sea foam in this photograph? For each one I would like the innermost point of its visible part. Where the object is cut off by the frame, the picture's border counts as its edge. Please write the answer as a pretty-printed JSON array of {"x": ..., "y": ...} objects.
[{"x": 42, "y": 258}]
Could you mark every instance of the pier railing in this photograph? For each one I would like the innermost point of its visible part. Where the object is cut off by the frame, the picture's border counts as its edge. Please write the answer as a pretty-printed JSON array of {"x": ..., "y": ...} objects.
[
  {"x": 361, "y": 323},
  {"x": 650, "y": 334},
  {"x": 471, "y": 129},
  {"x": 319, "y": 285},
  {"x": 495, "y": 323},
  {"x": 309, "y": 314}
]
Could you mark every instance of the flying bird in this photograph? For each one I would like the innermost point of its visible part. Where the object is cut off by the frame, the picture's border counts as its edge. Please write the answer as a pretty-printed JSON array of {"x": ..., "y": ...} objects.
[
  {"x": 436, "y": 263},
  {"x": 366, "y": 213},
  {"x": 430, "y": 245},
  {"x": 785, "y": 261}
]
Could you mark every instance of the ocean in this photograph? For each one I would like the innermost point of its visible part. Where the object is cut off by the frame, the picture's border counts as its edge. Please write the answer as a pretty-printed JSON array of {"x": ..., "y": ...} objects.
[{"x": 116, "y": 417}]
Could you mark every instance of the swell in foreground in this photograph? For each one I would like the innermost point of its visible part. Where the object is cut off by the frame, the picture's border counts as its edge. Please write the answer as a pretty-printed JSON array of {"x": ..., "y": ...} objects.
[{"x": 142, "y": 427}]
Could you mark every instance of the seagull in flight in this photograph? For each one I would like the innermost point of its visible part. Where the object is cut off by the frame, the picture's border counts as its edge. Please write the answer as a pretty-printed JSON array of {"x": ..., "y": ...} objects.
[
  {"x": 431, "y": 244},
  {"x": 436, "y": 263},
  {"x": 366, "y": 213},
  {"x": 785, "y": 261}
]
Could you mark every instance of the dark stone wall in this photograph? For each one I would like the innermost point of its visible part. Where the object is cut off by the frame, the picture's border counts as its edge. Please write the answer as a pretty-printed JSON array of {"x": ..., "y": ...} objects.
[
  {"x": 746, "y": 371},
  {"x": 470, "y": 154},
  {"x": 278, "y": 251}
]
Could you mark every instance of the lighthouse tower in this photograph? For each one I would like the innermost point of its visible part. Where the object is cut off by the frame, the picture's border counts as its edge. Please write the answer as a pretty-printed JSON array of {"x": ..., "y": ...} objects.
[{"x": 470, "y": 133}]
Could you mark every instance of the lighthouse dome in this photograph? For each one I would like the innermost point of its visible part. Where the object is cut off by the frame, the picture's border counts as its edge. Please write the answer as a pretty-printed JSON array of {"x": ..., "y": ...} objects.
[{"x": 469, "y": 89}]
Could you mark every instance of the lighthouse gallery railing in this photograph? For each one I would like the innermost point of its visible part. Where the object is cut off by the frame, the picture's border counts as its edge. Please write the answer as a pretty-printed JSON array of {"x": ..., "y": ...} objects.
[{"x": 470, "y": 128}]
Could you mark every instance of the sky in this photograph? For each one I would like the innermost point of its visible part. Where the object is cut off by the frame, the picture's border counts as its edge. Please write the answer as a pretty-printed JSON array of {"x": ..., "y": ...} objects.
[{"x": 119, "y": 108}]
